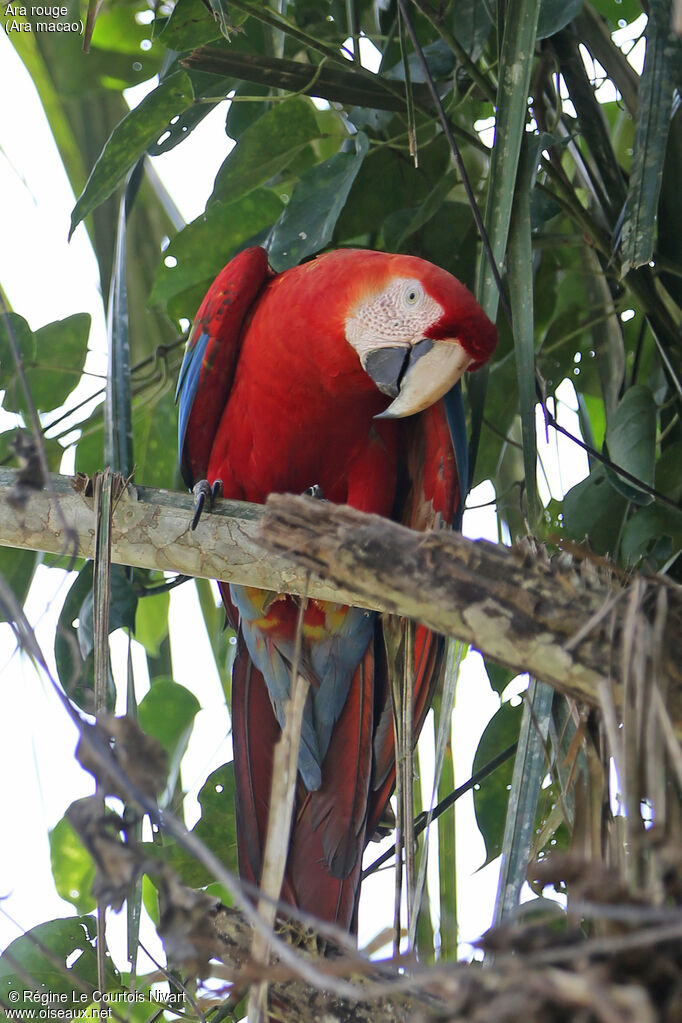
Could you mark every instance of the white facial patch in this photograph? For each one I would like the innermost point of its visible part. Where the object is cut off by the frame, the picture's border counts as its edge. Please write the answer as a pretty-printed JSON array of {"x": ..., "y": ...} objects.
[{"x": 397, "y": 315}]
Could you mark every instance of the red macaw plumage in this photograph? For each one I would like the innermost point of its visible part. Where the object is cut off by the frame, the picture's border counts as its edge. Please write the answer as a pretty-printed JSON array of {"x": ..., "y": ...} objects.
[{"x": 282, "y": 383}]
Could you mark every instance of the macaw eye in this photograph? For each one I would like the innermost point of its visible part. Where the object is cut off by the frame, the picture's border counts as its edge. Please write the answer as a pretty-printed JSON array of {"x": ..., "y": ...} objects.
[{"x": 413, "y": 294}]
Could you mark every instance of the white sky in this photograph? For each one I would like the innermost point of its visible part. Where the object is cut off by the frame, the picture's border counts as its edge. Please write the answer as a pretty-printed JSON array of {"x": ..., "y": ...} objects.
[{"x": 45, "y": 279}]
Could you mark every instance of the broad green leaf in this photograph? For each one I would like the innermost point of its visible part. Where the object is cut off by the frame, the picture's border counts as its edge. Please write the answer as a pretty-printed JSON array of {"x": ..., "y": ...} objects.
[
  {"x": 307, "y": 223},
  {"x": 241, "y": 115},
  {"x": 43, "y": 954},
  {"x": 654, "y": 533},
  {"x": 151, "y": 621},
  {"x": 594, "y": 409},
  {"x": 53, "y": 358},
  {"x": 631, "y": 441},
  {"x": 72, "y": 867},
  {"x": 16, "y": 569},
  {"x": 492, "y": 795},
  {"x": 371, "y": 206},
  {"x": 118, "y": 30},
  {"x": 155, "y": 436},
  {"x": 405, "y": 223},
  {"x": 190, "y": 25},
  {"x": 167, "y": 713},
  {"x": 216, "y": 828},
  {"x": 454, "y": 219},
  {"x": 123, "y": 602},
  {"x": 499, "y": 676},
  {"x": 594, "y": 510},
  {"x": 616, "y": 11},
  {"x": 472, "y": 23},
  {"x": 90, "y": 448},
  {"x": 266, "y": 148},
  {"x": 75, "y": 673},
  {"x": 503, "y": 397},
  {"x": 219, "y": 634},
  {"x": 198, "y": 253},
  {"x": 130, "y": 140},
  {"x": 555, "y": 14},
  {"x": 656, "y": 87},
  {"x": 439, "y": 58},
  {"x": 668, "y": 475}
]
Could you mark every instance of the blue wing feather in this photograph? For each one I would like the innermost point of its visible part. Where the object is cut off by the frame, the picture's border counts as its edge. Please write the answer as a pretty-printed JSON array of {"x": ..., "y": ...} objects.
[{"x": 454, "y": 412}]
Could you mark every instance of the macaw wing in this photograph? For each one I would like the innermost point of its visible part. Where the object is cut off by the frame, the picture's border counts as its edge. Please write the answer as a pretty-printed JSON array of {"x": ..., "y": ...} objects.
[
  {"x": 210, "y": 359},
  {"x": 432, "y": 497}
]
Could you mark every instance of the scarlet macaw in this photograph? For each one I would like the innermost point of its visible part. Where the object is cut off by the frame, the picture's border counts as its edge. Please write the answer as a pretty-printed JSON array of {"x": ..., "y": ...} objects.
[{"x": 336, "y": 373}]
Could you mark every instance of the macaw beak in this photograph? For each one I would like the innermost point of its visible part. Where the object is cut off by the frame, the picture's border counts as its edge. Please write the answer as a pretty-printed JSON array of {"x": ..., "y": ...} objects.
[{"x": 415, "y": 376}]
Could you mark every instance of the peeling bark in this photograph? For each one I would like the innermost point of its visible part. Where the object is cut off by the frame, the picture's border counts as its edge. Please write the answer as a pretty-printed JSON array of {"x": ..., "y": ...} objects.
[{"x": 562, "y": 619}]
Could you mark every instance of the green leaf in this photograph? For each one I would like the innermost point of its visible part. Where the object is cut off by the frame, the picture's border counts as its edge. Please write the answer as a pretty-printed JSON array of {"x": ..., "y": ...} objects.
[
  {"x": 307, "y": 224},
  {"x": 167, "y": 713},
  {"x": 621, "y": 10},
  {"x": 75, "y": 673},
  {"x": 219, "y": 634},
  {"x": 499, "y": 676},
  {"x": 90, "y": 448},
  {"x": 555, "y": 15},
  {"x": 129, "y": 141},
  {"x": 631, "y": 441},
  {"x": 72, "y": 867},
  {"x": 151, "y": 621},
  {"x": 472, "y": 24},
  {"x": 654, "y": 533},
  {"x": 123, "y": 602},
  {"x": 266, "y": 147},
  {"x": 594, "y": 510},
  {"x": 371, "y": 205},
  {"x": 17, "y": 568},
  {"x": 204, "y": 246},
  {"x": 190, "y": 25},
  {"x": 43, "y": 954},
  {"x": 216, "y": 828},
  {"x": 243, "y": 114},
  {"x": 668, "y": 475},
  {"x": 403, "y": 225},
  {"x": 155, "y": 436},
  {"x": 656, "y": 87},
  {"x": 492, "y": 795},
  {"x": 53, "y": 358}
]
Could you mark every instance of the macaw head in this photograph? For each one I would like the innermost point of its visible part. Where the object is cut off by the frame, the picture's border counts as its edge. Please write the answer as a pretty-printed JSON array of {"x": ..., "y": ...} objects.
[{"x": 415, "y": 329}]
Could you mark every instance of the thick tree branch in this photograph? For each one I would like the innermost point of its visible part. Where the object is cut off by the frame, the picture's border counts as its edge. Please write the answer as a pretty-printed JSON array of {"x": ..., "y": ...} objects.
[
  {"x": 151, "y": 529},
  {"x": 562, "y": 620}
]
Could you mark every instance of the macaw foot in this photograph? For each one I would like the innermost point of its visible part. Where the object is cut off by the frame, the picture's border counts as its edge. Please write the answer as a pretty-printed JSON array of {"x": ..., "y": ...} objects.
[
  {"x": 314, "y": 491},
  {"x": 203, "y": 491}
]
